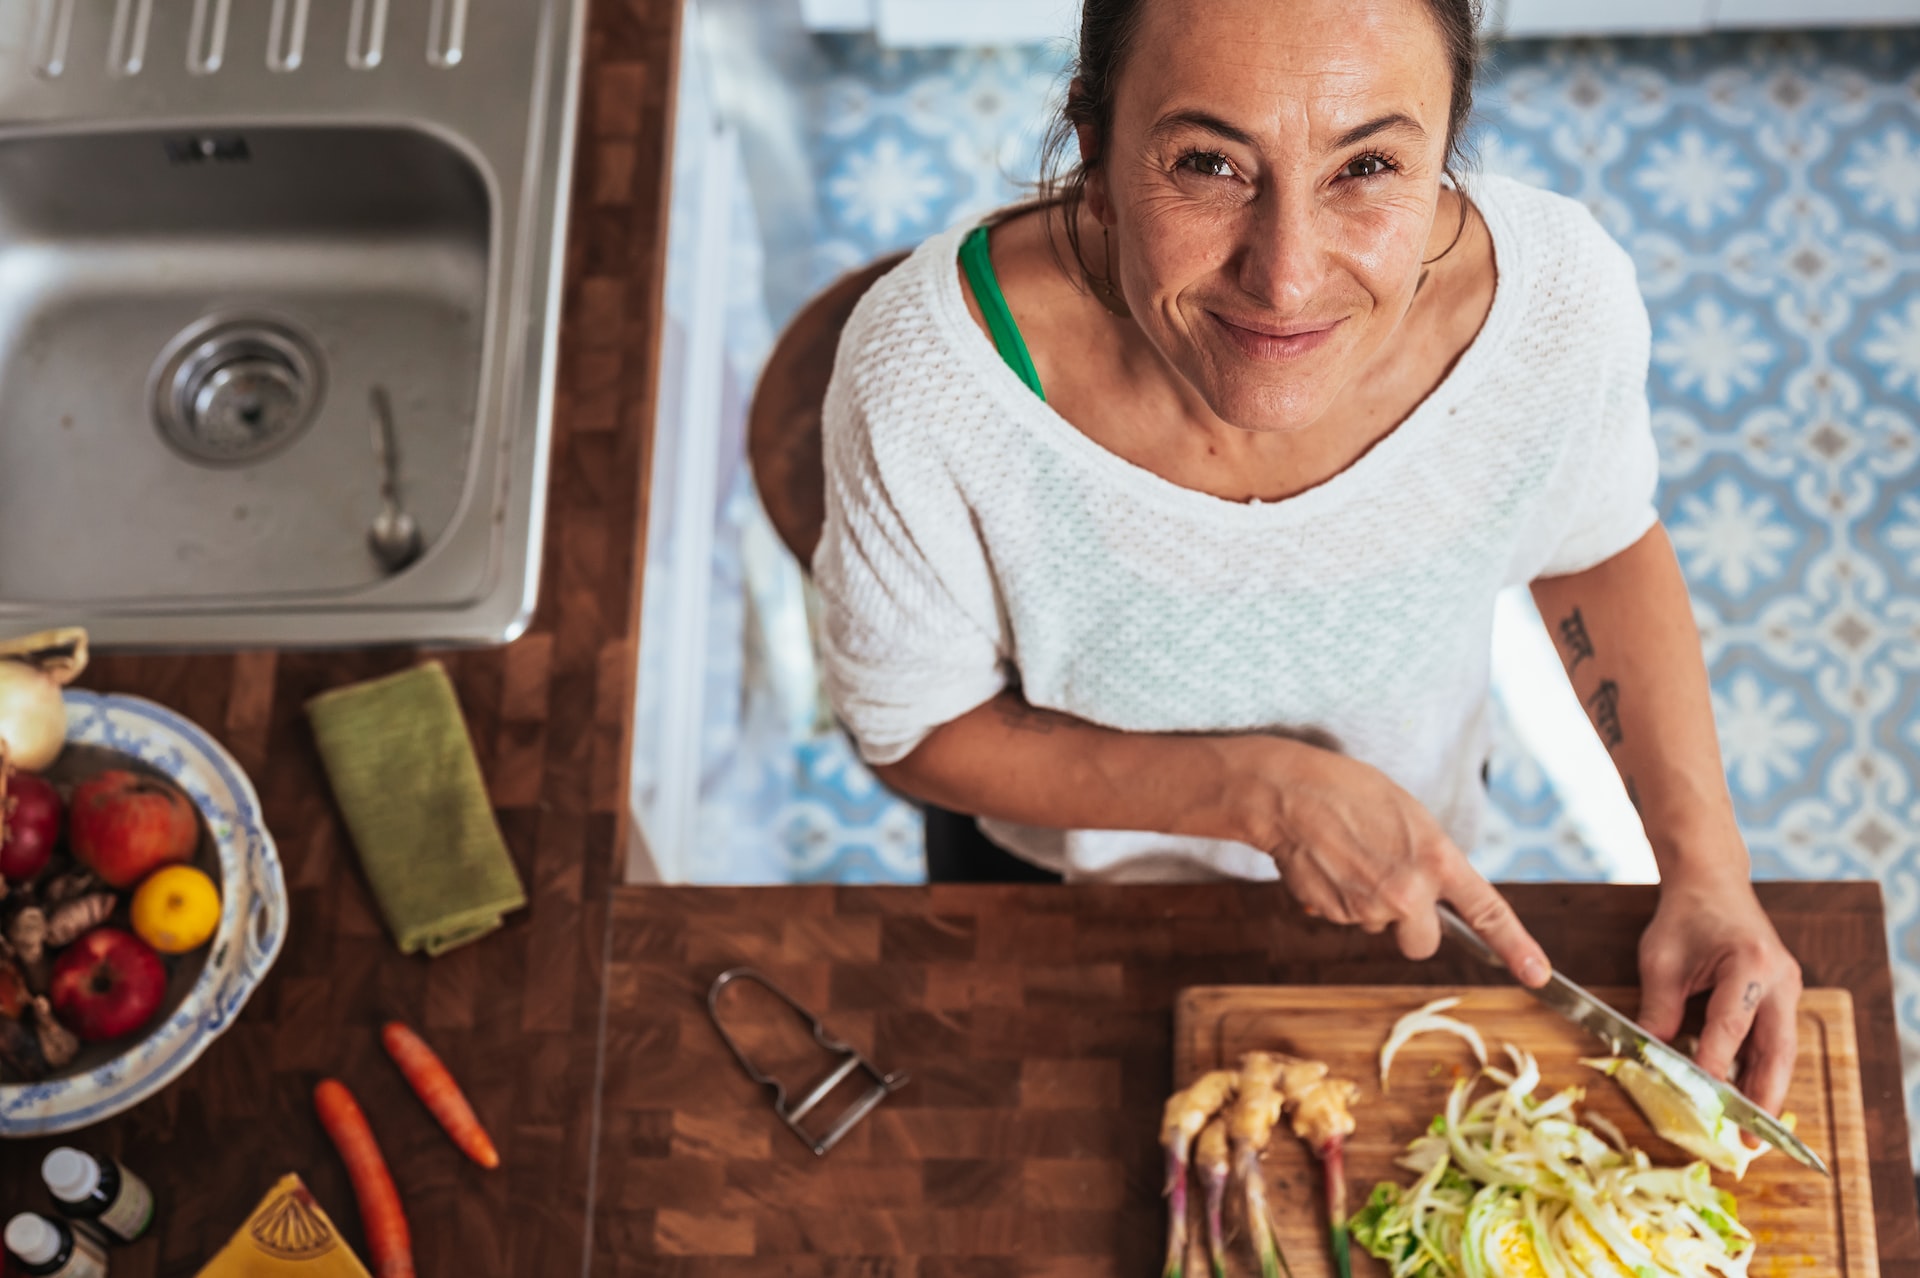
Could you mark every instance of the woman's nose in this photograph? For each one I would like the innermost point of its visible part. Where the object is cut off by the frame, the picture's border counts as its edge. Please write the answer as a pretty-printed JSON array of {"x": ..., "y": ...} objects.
[{"x": 1283, "y": 259}]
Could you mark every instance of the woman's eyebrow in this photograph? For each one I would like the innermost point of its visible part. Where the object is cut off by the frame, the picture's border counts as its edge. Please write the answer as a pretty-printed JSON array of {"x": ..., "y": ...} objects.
[
  {"x": 1178, "y": 120},
  {"x": 1392, "y": 120}
]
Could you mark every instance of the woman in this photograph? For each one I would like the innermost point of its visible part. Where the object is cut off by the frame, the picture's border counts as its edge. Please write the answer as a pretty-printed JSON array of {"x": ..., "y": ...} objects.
[{"x": 1165, "y": 517}]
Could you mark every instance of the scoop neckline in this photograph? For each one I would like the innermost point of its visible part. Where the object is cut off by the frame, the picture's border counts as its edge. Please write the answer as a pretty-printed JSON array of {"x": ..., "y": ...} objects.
[{"x": 1443, "y": 401}]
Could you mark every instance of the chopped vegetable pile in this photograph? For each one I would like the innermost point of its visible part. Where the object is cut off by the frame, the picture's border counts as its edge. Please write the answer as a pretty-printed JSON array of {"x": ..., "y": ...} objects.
[{"x": 1514, "y": 1185}]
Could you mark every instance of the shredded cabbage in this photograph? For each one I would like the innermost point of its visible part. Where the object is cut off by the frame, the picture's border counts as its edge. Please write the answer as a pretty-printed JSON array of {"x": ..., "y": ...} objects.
[{"x": 1511, "y": 1185}]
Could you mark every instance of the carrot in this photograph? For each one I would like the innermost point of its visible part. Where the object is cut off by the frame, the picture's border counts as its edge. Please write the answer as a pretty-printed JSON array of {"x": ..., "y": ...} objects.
[
  {"x": 380, "y": 1211},
  {"x": 432, "y": 1082}
]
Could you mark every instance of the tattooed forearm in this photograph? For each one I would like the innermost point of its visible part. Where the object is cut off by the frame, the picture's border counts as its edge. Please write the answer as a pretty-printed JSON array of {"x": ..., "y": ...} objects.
[
  {"x": 1604, "y": 706},
  {"x": 1576, "y": 646},
  {"x": 1574, "y": 637}
]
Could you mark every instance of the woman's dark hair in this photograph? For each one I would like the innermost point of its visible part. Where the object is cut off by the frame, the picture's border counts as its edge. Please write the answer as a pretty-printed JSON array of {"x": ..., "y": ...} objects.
[{"x": 1107, "y": 30}]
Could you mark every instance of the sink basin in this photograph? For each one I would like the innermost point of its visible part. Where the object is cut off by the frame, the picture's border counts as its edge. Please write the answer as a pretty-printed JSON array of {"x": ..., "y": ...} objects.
[
  {"x": 209, "y": 273},
  {"x": 363, "y": 251}
]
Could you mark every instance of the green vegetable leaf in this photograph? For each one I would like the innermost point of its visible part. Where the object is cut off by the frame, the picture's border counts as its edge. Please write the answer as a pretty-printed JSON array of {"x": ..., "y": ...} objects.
[{"x": 1372, "y": 1227}]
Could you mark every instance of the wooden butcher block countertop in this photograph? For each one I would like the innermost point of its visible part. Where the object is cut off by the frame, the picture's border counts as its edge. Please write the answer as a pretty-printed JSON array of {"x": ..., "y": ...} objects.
[{"x": 1036, "y": 1022}]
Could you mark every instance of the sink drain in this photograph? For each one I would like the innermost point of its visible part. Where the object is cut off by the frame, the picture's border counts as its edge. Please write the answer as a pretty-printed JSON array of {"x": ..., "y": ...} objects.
[{"x": 233, "y": 389}]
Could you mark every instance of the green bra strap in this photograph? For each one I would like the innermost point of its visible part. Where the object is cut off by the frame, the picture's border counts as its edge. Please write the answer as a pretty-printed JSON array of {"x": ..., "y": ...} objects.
[{"x": 978, "y": 265}]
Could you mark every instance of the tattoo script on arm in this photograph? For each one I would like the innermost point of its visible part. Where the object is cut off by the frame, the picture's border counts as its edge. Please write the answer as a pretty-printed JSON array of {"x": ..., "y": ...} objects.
[
  {"x": 1603, "y": 706},
  {"x": 1573, "y": 636}
]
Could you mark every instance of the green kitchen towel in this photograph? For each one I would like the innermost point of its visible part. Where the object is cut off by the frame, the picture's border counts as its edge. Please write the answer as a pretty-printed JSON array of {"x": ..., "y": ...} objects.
[{"x": 403, "y": 771}]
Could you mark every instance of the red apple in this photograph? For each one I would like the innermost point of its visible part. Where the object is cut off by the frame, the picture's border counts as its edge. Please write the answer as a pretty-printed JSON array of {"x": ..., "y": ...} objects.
[
  {"x": 122, "y": 825},
  {"x": 106, "y": 984},
  {"x": 29, "y": 826}
]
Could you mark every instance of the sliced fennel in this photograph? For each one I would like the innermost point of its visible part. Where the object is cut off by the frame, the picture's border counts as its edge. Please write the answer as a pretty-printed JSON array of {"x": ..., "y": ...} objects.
[
  {"x": 1511, "y": 1185},
  {"x": 1428, "y": 1020},
  {"x": 1691, "y": 1119}
]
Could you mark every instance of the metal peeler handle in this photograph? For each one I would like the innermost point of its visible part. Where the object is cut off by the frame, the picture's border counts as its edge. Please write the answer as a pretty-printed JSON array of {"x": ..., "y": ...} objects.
[{"x": 882, "y": 1086}]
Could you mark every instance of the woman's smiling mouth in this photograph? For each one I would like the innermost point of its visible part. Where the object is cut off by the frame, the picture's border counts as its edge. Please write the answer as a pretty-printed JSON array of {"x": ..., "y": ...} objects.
[{"x": 1262, "y": 340}]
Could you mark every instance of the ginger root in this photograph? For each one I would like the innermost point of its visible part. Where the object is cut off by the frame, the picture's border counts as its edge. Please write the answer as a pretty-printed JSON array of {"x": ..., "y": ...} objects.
[
  {"x": 75, "y": 917},
  {"x": 67, "y": 886},
  {"x": 28, "y": 932},
  {"x": 58, "y": 1044}
]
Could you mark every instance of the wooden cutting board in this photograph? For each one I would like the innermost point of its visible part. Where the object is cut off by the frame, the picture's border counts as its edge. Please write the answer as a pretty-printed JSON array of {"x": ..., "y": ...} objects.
[{"x": 1803, "y": 1223}]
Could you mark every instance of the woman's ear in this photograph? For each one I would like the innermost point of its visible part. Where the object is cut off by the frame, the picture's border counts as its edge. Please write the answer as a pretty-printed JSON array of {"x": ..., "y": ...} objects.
[
  {"x": 1086, "y": 132},
  {"x": 1094, "y": 196}
]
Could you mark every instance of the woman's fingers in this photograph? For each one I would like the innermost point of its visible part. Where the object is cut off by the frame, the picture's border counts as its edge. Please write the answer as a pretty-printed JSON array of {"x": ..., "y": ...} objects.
[
  {"x": 1315, "y": 890},
  {"x": 1365, "y": 852},
  {"x": 1716, "y": 937},
  {"x": 1663, "y": 989},
  {"x": 1419, "y": 934},
  {"x": 1488, "y": 913},
  {"x": 1770, "y": 1052},
  {"x": 1731, "y": 1012}
]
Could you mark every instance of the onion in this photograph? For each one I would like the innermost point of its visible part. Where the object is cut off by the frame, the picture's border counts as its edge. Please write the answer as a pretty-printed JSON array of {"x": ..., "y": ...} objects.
[
  {"x": 33, "y": 715},
  {"x": 1427, "y": 1020},
  {"x": 29, "y": 825}
]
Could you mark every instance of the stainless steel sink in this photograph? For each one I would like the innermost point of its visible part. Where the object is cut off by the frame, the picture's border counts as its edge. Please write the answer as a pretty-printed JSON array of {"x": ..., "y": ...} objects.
[{"x": 225, "y": 230}]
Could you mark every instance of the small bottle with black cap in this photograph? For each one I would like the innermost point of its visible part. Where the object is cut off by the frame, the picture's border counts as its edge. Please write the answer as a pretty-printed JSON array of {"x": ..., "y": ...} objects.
[
  {"x": 45, "y": 1248},
  {"x": 99, "y": 1193}
]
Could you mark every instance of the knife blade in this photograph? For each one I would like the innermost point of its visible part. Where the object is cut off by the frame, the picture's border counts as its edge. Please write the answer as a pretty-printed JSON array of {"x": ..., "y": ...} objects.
[{"x": 1625, "y": 1038}]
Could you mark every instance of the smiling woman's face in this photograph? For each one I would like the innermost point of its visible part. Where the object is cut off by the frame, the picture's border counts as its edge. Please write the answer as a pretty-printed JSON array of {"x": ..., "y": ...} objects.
[{"x": 1270, "y": 181}]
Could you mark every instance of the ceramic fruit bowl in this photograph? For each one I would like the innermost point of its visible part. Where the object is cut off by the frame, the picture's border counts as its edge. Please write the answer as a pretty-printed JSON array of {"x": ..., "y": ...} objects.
[{"x": 206, "y": 988}]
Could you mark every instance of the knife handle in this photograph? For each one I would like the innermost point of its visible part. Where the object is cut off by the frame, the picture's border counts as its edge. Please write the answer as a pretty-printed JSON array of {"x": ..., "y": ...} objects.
[{"x": 1456, "y": 927}]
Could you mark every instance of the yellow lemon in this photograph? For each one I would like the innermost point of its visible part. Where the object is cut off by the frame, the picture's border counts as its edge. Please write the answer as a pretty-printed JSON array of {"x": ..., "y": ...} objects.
[{"x": 177, "y": 909}]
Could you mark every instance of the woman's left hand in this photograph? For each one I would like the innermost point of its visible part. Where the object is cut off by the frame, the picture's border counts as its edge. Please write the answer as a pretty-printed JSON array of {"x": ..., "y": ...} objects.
[{"x": 1711, "y": 934}]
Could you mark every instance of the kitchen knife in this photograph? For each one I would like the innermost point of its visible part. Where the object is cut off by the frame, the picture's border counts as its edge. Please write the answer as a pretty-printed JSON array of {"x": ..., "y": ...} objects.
[{"x": 1625, "y": 1038}]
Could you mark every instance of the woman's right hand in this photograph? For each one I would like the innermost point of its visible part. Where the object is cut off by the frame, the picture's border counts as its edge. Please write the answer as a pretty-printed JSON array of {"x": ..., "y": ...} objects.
[{"x": 1353, "y": 847}]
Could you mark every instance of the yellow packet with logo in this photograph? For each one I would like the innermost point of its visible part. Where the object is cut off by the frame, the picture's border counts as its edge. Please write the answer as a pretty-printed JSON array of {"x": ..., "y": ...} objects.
[{"x": 288, "y": 1234}]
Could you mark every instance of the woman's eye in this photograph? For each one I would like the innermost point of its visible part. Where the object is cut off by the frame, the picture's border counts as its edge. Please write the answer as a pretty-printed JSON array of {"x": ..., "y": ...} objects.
[
  {"x": 1369, "y": 165},
  {"x": 1208, "y": 164}
]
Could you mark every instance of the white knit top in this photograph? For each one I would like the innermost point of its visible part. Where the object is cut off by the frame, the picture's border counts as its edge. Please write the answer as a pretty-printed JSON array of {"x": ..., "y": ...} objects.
[{"x": 976, "y": 538}]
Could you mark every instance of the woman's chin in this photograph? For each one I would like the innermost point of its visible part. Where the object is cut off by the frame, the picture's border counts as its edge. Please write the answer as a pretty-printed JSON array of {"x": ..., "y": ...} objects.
[
  {"x": 1267, "y": 408},
  {"x": 1268, "y": 396}
]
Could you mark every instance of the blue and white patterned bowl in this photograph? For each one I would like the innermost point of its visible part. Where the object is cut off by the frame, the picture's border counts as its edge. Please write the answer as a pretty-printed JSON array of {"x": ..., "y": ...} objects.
[{"x": 253, "y": 918}]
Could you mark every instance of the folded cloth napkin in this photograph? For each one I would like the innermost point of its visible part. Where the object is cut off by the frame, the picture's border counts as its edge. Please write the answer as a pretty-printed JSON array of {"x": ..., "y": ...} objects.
[{"x": 403, "y": 771}]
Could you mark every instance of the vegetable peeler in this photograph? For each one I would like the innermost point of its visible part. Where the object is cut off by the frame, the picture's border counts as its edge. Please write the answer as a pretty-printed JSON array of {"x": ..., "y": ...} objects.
[{"x": 793, "y": 1115}]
